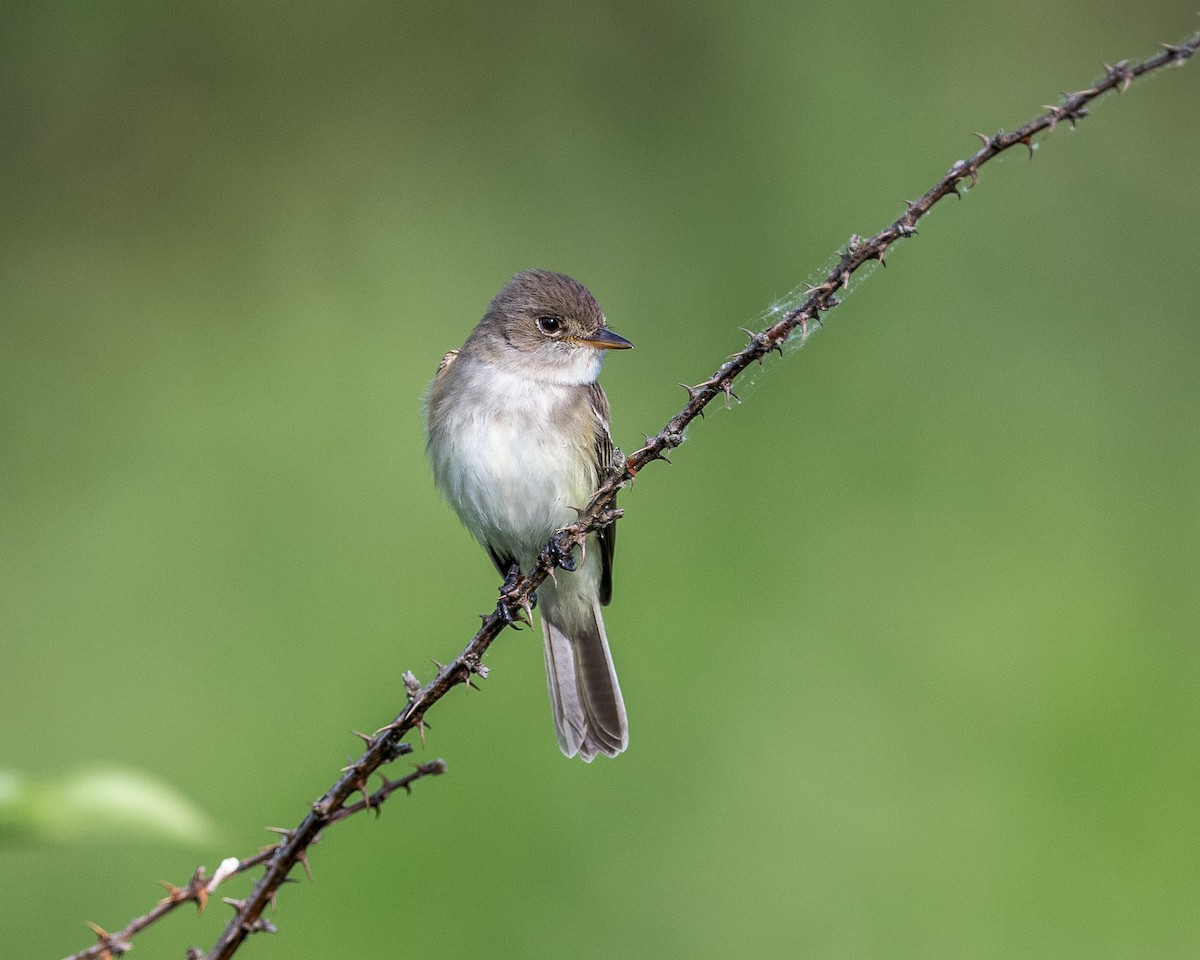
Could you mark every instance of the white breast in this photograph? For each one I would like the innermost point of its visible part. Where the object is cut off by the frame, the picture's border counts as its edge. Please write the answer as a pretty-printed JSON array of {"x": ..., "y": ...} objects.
[{"x": 511, "y": 476}]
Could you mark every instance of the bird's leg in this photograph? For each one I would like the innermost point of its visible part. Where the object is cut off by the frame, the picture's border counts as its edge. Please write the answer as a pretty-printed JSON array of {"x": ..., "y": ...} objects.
[
  {"x": 564, "y": 555},
  {"x": 512, "y": 580}
]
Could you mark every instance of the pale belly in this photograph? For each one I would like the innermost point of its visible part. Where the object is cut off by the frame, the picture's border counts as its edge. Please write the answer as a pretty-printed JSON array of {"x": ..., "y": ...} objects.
[{"x": 512, "y": 481}]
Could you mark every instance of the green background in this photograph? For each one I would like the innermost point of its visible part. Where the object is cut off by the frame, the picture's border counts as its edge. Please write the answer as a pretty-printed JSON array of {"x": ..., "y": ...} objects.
[{"x": 908, "y": 638}]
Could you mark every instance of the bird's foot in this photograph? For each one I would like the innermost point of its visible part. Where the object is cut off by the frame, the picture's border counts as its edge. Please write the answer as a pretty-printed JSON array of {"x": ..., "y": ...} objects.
[
  {"x": 512, "y": 579},
  {"x": 508, "y": 591},
  {"x": 564, "y": 554}
]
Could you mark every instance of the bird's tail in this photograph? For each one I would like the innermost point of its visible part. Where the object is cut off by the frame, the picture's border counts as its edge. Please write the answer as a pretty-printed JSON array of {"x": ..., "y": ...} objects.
[{"x": 585, "y": 697}]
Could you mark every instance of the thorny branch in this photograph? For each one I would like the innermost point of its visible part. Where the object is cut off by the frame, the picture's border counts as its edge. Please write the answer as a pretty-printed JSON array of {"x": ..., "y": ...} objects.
[
  {"x": 199, "y": 886},
  {"x": 386, "y": 744}
]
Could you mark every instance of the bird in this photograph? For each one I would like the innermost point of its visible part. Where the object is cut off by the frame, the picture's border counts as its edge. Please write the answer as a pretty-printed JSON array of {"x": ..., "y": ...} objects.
[{"x": 518, "y": 438}]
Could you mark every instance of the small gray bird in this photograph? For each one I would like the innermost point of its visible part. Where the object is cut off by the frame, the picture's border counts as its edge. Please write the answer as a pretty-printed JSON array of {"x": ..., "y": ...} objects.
[{"x": 518, "y": 435}]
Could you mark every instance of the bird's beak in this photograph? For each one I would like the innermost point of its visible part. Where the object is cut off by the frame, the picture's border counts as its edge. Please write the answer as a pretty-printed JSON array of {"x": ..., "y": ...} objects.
[{"x": 605, "y": 339}]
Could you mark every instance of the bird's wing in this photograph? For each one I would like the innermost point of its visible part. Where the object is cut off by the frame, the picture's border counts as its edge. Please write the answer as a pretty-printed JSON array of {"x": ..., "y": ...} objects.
[{"x": 607, "y": 536}]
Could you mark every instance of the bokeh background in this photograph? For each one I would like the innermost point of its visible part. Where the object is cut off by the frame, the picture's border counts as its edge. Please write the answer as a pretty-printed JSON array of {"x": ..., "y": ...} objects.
[{"x": 908, "y": 638}]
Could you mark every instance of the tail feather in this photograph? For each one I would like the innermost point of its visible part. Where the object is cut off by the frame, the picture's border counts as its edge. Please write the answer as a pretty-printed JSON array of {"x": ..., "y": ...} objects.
[{"x": 585, "y": 697}]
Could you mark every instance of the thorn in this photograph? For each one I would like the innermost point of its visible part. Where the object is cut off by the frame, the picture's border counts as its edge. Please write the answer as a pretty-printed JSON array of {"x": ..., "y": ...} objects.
[
  {"x": 954, "y": 189},
  {"x": 201, "y": 898},
  {"x": 879, "y": 255},
  {"x": 199, "y": 883},
  {"x": 844, "y": 279},
  {"x": 1126, "y": 75},
  {"x": 364, "y": 737},
  {"x": 987, "y": 141},
  {"x": 909, "y": 204},
  {"x": 287, "y": 834},
  {"x": 302, "y": 859},
  {"x": 238, "y": 905},
  {"x": 756, "y": 340},
  {"x": 389, "y": 727},
  {"x": 727, "y": 388},
  {"x": 195, "y": 890},
  {"x": 113, "y": 947},
  {"x": 693, "y": 393}
]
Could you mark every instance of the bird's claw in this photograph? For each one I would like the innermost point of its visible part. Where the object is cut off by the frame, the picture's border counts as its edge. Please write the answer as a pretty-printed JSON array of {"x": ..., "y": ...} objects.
[
  {"x": 512, "y": 579},
  {"x": 508, "y": 591},
  {"x": 564, "y": 556},
  {"x": 512, "y": 618}
]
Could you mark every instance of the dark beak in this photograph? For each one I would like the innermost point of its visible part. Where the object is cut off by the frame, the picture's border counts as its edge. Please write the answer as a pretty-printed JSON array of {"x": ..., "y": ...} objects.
[{"x": 605, "y": 339}]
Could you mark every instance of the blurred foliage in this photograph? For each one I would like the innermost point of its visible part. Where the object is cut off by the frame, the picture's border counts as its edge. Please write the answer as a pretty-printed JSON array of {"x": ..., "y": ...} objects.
[
  {"x": 908, "y": 638},
  {"x": 100, "y": 804}
]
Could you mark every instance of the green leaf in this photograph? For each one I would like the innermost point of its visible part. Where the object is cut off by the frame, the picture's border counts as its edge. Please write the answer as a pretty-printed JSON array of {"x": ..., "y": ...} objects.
[{"x": 97, "y": 804}]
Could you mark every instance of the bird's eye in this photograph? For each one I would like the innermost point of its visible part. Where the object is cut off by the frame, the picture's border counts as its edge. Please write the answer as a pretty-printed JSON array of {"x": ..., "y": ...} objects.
[{"x": 550, "y": 325}]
